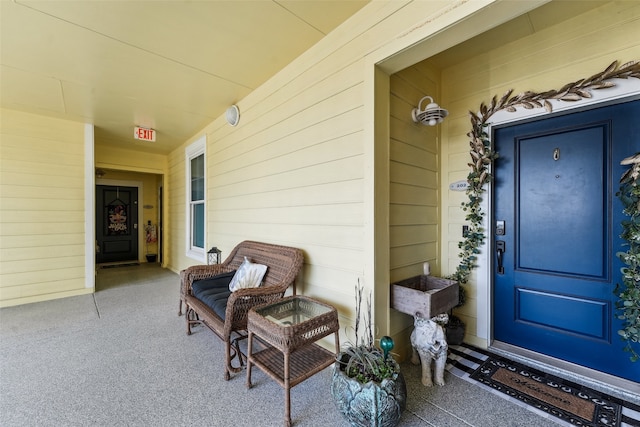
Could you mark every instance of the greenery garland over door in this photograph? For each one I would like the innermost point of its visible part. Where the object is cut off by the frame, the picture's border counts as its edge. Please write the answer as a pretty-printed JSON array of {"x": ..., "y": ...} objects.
[
  {"x": 629, "y": 292},
  {"x": 482, "y": 156}
]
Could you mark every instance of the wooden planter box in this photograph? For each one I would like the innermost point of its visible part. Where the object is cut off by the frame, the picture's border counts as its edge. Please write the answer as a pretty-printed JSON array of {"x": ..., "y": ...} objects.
[{"x": 427, "y": 294}]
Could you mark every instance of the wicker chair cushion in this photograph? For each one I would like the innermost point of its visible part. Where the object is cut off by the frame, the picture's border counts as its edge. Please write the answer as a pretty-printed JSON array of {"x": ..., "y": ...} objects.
[{"x": 214, "y": 292}]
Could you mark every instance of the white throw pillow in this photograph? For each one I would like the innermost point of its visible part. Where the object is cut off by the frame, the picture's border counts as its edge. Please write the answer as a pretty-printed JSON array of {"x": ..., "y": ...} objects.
[{"x": 249, "y": 275}]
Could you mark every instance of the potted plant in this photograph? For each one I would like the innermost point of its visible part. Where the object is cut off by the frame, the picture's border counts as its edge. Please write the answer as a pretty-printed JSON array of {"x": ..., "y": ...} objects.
[
  {"x": 367, "y": 385},
  {"x": 455, "y": 330},
  {"x": 455, "y": 327}
]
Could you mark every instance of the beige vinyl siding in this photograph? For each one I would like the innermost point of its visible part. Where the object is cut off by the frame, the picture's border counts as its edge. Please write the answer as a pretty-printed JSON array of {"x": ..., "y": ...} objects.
[
  {"x": 548, "y": 59},
  {"x": 414, "y": 176},
  {"x": 41, "y": 208},
  {"x": 292, "y": 171},
  {"x": 130, "y": 160},
  {"x": 299, "y": 167},
  {"x": 297, "y": 182}
]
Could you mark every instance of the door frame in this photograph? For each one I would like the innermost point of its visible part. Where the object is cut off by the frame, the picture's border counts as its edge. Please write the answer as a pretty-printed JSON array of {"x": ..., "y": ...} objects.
[
  {"x": 623, "y": 91},
  {"x": 139, "y": 186}
]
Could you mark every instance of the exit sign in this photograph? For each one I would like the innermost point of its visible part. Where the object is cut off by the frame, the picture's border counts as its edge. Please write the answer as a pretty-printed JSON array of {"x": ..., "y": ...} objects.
[{"x": 144, "y": 134}]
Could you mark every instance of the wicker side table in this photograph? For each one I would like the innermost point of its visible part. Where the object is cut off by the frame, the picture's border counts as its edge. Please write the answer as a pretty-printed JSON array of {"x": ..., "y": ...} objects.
[{"x": 291, "y": 327}]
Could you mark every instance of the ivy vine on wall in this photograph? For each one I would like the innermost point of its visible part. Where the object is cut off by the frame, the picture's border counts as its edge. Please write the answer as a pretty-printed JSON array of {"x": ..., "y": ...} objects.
[
  {"x": 482, "y": 156},
  {"x": 629, "y": 292}
]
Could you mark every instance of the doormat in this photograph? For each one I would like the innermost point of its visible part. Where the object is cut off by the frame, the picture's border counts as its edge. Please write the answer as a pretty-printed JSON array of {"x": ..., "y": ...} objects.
[
  {"x": 575, "y": 404},
  {"x": 480, "y": 367}
]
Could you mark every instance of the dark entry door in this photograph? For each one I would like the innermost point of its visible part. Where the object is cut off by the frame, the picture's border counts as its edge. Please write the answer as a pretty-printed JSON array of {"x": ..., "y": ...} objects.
[
  {"x": 116, "y": 223},
  {"x": 555, "y": 265}
]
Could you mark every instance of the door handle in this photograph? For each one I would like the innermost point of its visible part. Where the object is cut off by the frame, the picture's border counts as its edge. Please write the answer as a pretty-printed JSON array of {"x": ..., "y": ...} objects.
[{"x": 500, "y": 249}]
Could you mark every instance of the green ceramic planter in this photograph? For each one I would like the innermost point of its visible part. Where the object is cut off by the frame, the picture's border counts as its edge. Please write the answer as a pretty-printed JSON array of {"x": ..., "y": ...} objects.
[{"x": 371, "y": 404}]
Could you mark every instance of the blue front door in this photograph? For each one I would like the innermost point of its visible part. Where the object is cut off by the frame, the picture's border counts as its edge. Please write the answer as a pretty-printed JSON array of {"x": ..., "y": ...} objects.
[{"x": 557, "y": 233}]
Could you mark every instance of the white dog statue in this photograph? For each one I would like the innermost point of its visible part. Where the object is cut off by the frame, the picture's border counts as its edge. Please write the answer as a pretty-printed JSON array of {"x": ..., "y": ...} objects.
[{"x": 430, "y": 343}]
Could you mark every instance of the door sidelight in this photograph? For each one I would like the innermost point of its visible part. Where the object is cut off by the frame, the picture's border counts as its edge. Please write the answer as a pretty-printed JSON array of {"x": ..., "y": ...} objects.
[{"x": 500, "y": 249}]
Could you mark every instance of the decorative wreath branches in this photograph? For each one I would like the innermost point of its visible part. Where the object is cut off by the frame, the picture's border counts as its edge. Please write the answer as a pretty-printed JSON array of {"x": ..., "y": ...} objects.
[{"x": 482, "y": 155}]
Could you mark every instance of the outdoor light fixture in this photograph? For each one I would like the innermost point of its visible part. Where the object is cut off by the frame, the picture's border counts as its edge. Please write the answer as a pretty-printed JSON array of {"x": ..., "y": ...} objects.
[
  {"x": 431, "y": 115},
  {"x": 214, "y": 256},
  {"x": 233, "y": 115}
]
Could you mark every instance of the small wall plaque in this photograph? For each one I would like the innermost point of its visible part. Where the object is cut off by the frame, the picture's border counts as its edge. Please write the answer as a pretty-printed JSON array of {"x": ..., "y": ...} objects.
[{"x": 459, "y": 186}]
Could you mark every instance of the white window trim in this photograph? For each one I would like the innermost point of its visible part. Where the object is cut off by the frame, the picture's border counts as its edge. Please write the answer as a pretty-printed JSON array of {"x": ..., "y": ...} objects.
[{"x": 197, "y": 148}]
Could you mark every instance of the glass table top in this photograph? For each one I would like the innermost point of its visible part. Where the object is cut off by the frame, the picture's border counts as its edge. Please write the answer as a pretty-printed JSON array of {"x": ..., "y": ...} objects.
[{"x": 293, "y": 311}]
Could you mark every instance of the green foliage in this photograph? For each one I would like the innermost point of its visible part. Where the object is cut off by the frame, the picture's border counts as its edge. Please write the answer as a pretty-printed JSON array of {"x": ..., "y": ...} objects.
[
  {"x": 367, "y": 363},
  {"x": 628, "y": 304},
  {"x": 481, "y": 156}
]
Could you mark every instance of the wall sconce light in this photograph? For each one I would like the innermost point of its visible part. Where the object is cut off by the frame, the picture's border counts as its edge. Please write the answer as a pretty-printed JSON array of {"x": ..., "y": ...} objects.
[
  {"x": 431, "y": 115},
  {"x": 214, "y": 256},
  {"x": 233, "y": 115}
]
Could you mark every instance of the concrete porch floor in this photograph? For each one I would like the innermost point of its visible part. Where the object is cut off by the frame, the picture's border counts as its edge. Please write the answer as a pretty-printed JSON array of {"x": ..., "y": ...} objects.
[{"x": 121, "y": 357}]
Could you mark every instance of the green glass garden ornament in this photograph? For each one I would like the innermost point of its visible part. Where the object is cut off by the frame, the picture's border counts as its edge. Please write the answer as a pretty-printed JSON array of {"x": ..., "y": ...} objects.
[{"x": 386, "y": 344}]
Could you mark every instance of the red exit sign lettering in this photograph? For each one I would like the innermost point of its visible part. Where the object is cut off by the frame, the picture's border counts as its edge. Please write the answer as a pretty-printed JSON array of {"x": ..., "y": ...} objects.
[{"x": 144, "y": 134}]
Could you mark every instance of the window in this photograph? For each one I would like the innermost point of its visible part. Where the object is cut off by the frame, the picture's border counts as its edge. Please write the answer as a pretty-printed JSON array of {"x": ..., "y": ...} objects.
[{"x": 195, "y": 190}]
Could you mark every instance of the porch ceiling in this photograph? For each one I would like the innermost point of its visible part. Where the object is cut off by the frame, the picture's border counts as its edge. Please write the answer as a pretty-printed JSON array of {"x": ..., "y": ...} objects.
[
  {"x": 538, "y": 19},
  {"x": 173, "y": 66}
]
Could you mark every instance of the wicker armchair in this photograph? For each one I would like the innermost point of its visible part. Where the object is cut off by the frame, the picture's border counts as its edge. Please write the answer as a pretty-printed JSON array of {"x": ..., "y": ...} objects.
[{"x": 284, "y": 264}]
